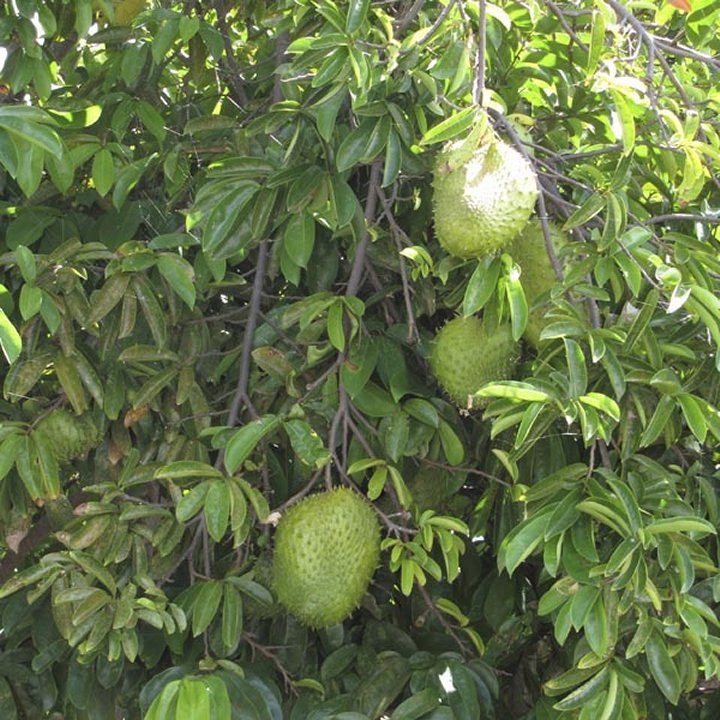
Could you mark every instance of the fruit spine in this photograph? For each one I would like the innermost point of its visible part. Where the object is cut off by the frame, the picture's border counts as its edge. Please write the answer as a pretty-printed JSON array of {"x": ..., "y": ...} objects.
[{"x": 326, "y": 550}]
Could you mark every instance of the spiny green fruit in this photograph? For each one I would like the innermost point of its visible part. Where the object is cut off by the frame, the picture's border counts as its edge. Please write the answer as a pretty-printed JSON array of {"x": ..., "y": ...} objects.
[
  {"x": 431, "y": 487},
  {"x": 326, "y": 550},
  {"x": 481, "y": 200},
  {"x": 538, "y": 276},
  {"x": 68, "y": 436},
  {"x": 465, "y": 356}
]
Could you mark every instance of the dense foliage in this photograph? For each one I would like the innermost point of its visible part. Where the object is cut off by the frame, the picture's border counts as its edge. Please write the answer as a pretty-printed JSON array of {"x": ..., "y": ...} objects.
[{"x": 220, "y": 285}]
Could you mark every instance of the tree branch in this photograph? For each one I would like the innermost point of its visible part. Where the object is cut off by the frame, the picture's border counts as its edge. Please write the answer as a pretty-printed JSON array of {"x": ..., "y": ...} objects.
[
  {"x": 241, "y": 394},
  {"x": 479, "y": 69},
  {"x": 370, "y": 209}
]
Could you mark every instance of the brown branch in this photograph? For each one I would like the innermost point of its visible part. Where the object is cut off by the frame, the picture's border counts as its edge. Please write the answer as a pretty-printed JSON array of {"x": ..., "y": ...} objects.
[
  {"x": 361, "y": 251},
  {"x": 560, "y": 15},
  {"x": 241, "y": 391},
  {"x": 430, "y": 604},
  {"x": 404, "y": 21},
  {"x": 267, "y": 652}
]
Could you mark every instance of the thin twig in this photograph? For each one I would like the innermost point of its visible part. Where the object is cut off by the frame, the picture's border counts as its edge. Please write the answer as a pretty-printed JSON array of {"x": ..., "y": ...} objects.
[
  {"x": 565, "y": 26},
  {"x": 479, "y": 69},
  {"x": 436, "y": 25},
  {"x": 430, "y": 603},
  {"x": 241, "y": 392},
  {"x": 404, "y": 21},
  {"x": 267, "y": 652},
  {"x": 542, "y": 208},
  {"x": 709, "y": 219}
]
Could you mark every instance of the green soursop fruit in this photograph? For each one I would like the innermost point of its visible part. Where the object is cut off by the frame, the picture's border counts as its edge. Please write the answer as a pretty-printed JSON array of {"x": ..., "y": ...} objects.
[
  {"x": 69, "y": 436},
  {"x": 465, "y": 356},
  {"x": 482, "y": 199},
  {"x": 326, "y": 550},
  {"x": 538, "y": 277}
]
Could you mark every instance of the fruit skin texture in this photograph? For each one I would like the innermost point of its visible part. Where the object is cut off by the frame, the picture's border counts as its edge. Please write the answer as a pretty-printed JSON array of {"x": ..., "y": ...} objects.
[
  {"x": 538, "y": 276},
  {"x": 327, "y": 548},
  {"x": 465, "y": 356},
  {"x": 68, "y": 436},
  {"x": 481, "y": 199}
]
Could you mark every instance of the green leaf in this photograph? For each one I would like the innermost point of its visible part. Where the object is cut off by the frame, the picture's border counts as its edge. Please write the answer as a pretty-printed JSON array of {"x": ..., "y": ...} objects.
[
  {"x": 306, "y": 443},
  {"x": 335, "y": 326},
  {"x": 662, "y": 667},
  {"x": 587, "y": 211},
  {"x": 164, "y": 705},
  {"x": 450, "y": 127},
  {"x": 577, "y": 369},
  {"x": 358, "y": 144},
  {"x": 601, "y": 402},
  {"x": 185, "y": 469},
  {"x": 356, "y": 14},
  {"x": 393, "y": 159},
  {"x": 180, "y": 276},
  {"x": 243, "y": 441},
  {"x": 517, "y": 304},
  {"x": 39, "y": 135},
  {"x": 217, "y": 509},
  {"x": 693, "y": 414},
  {"x": 103, "y": 171},
  {"x": 451, "y": 444},
  {"x": 299, "y": 239},
  {"x": 482, "y": 285},
  {"x": 597, "y": 42},
  {"x": 522, "y": 541},
  {"x": 680, "y": 524},
  {"x": 205, "y": 605},
  {"x": 193, "y": 700},
  {"x": 585, "y": 693},
  {"x": 627, "y": 122},
  {"x": 109, "y": 295},
  {"x": 514, "y": 390},
  {"x": 10, "y": 339},
  {"x": 232, "y": 615},
  {"x": 658, "y": 421}
]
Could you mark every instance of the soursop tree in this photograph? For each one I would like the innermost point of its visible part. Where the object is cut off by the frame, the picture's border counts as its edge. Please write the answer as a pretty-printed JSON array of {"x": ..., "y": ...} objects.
[{"x": 231, "y": 234}]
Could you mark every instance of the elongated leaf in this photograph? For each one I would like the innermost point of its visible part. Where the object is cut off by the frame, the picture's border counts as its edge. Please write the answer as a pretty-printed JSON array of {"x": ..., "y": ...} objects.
[
  {"x": 522, "y": 541},
  {"x": 450, "y": 128},
  {"x": 10, "y": 339},
  {"x": 244, "y": 441},
  {"x": 662, "y": 667}
]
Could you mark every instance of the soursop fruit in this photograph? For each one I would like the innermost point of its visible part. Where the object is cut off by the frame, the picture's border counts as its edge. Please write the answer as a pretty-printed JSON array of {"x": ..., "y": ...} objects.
[
  {"x": 538, "y": 277},
  {"x": 69, "y": 436},
  {"x": 465, "y": 356},
  {"x": 481, "y": 199},
  {"x": 327, "y": 548}
]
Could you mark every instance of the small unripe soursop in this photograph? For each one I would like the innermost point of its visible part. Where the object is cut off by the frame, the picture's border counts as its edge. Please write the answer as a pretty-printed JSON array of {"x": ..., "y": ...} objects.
[
  {"x": 481, "y": 199},
  {"x": 465, "y": 356},
  {"x": 538, "y": 276},
  {"x": 68, "y": 436},
  {"x": 327, "y": 548}
]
